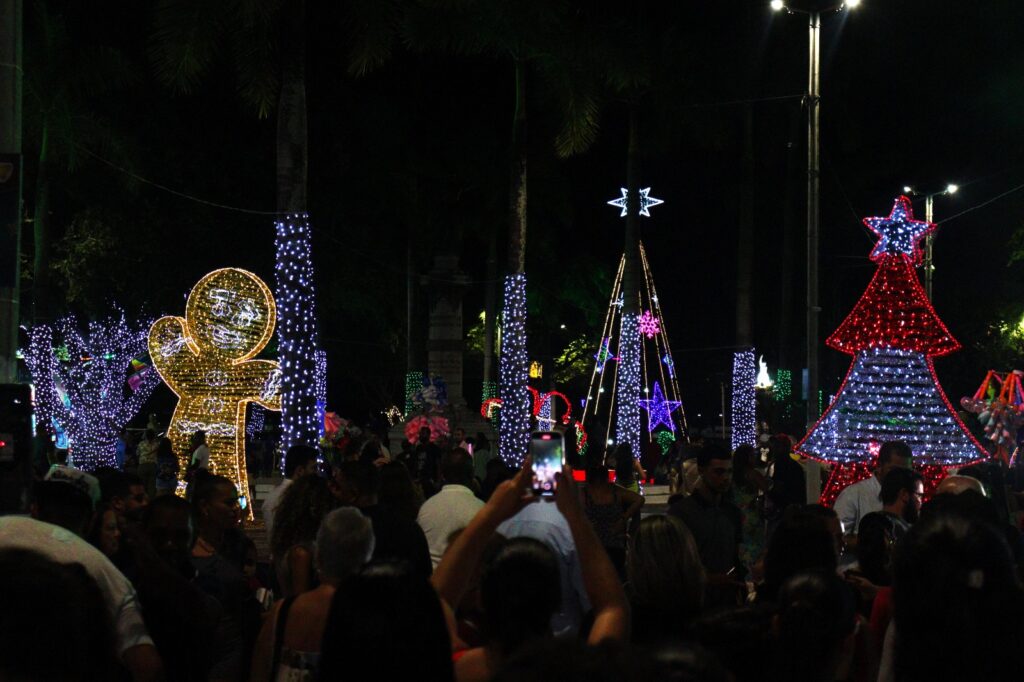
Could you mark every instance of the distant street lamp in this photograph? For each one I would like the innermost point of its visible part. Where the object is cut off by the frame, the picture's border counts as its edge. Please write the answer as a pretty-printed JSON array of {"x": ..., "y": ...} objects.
[
  {"x": 929, "y": 243},
  {"x": 813, "y": 190}
]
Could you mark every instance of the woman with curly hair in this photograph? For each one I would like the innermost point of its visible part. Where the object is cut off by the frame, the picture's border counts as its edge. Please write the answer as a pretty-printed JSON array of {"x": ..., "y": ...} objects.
[{"x": 296, "y": 522}]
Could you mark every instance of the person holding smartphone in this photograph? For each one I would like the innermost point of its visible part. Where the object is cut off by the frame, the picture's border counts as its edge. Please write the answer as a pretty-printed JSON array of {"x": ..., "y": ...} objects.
[{"x": 520, "y": 584}]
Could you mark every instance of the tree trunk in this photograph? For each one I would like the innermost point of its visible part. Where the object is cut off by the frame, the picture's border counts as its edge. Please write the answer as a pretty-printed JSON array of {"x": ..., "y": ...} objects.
[
  {"x": 292, "y": 142},
  {"x": 745, "y": 250},
  {"x": 41, "y": 234},
  {"x": 297, "y": 326},
  {"x": 517, "y": 191},
  {"x": 627, "y": 389}
]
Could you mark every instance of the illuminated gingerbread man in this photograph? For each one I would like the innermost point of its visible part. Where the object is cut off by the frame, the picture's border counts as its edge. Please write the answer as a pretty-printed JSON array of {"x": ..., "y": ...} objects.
[{"x": 205, "y": 358}]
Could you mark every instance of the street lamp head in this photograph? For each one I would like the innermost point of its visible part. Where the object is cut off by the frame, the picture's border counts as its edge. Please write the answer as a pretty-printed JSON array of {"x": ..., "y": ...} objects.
[
  {"x": 907, "y": 189},
  {"x": 777, "y": 5},
  {"x": 852, "y": 4},
  {"x": 951, "y": 188}
]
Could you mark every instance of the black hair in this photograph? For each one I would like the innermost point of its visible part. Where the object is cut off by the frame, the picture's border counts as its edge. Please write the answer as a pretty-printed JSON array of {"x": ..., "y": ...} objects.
[
  {"x": 623, "y": 464},
  {"x": 712, "y": 451},
  {"x": 162, "y": 503},
  {"x": 893, "y": 448},
  {"x": 63, "y": 504},
  {"x": 896, "y": 481},
  {"x": 363, "y": 476},
  {"x": 743, "y": 460},
  {"x": 397, "y": 491},
  {"x": 570, "y": 660},
  {"x": 298, "y": 456},
  {"x": 816, "y": 612},
  {"x": 386, "y": 623},
  {"x": 41, "y": 596},
  {"x": 457, "y": 467},
  {"x": 801, "y": 542},
  {"x": 204, "y": 486},
  {"x": 520, "y": 589},
  {"x": 740, "y": 636},
  {"x": 954, "y": 574},
  {"x": 113, "y": 484}
]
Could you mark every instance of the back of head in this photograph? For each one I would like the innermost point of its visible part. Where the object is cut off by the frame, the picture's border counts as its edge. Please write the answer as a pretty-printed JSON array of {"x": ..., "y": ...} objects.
[
  {"x": 204, "y": 486},
  {"x": 956, "y": 575},
  {"x": 520, "y": 590},
  {"x": 64, "y": 505},
  {"x": 816, "y": 613},
  {"x": 397, "y": 492},
  {"x": 457, "y": 467},
  {"x": 623, "y": 464},
  {"x": 740, "y": 638},
  {"x": 597, "y": 474},
  {"x": 898, "y": 481},
  {"x": 164, "y": 448},
  {"x": 893, "y": 449},
  {"x": 664, "y": 568},
  {"x": 363, "y": 477},
  {"x": 712, "y": 451},
  {"x": 386, "y": 623},
  {"x": 43, "y": 599},
  {"x": 801, "y": 542},
  {"x": 298, "y": 456},
  {"x": 303, "y": 507},
  {"x": 344, "y": 543},
  {"x": 956, "y": 484},
  {"x": 779, "y": 447},
  {"x": 569, "y": 660}
]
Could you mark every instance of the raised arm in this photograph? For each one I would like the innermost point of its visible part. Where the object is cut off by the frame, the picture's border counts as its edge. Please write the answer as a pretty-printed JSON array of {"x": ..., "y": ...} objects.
[
  {"x": 453, "y": 574},
  {"x": 169, "y": 349},
  {"x": 611, "y": 611}
]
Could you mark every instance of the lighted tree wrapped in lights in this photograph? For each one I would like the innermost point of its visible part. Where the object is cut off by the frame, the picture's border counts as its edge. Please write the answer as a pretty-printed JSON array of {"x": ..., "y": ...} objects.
[
  {"x": 651, "y": 387},
  {"x": 301, "y": 417},
  {"x": 891, "y": 391},
  {"x": 744, "y": 399},
  {"x": 81, "y": 382},
  {"x": 514, "y": 428}
]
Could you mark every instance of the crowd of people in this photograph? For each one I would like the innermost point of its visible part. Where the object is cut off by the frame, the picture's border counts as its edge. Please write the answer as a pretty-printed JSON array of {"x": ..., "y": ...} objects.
[{"x": 440, "y": 563}]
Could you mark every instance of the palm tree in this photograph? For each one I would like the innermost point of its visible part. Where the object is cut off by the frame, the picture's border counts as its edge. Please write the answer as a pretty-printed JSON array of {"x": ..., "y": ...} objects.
[
  {"x": 59, "y": 77},
  {"x": 267, "y": 43}
]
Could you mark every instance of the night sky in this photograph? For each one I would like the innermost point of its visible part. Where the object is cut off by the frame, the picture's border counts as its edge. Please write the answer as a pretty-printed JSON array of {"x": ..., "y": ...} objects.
[{"x": 913, "y": 92}]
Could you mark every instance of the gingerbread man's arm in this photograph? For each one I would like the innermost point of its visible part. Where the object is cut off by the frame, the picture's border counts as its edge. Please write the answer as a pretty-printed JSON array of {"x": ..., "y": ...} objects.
[
  {"x": 170, "y": 351},
  {"x": 264, "y": 379}
]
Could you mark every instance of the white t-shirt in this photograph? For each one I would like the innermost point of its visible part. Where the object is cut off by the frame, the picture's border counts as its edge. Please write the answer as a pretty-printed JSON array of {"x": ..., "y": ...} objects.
[
  {"x": 446, "y": 512},
  {"x": 271, "y": 503},
  {"x": 201, "y": 456},
  {"x": 857, "y": 501},
  {"x": 64, "y": 547}
]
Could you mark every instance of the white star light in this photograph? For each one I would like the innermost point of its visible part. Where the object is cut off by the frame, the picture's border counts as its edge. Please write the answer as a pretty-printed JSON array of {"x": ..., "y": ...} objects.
[{"x": 646, "y": 202}]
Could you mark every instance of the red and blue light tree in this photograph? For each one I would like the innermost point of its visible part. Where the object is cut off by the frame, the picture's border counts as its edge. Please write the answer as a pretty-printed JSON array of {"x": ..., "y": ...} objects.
[{"x": 890, "y": 391}]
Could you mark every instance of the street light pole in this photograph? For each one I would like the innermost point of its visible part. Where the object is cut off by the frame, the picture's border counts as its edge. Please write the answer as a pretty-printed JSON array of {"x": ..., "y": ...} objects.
[
  {"x": 813, "y": 189},
  {"x": 929, "y": 244}
]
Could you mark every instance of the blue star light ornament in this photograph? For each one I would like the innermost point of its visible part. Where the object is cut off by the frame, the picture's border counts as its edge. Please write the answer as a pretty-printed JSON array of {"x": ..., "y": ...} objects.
[
  {"x": 659, "y": 410},
  {"x": 646, "y": 202},
  {"x": 899, "y": 234}
]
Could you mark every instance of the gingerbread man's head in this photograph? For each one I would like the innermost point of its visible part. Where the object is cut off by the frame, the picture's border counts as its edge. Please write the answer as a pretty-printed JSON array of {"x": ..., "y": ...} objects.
[{"x": 230, "y": 315}]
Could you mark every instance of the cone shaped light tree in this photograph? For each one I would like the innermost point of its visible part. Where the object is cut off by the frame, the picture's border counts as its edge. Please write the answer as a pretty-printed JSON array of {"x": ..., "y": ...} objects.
[{"x": 891, "y": 391}]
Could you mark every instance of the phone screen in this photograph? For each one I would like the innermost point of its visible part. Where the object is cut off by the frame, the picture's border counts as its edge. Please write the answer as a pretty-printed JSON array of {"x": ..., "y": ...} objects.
[{"x": 547, "y": 448}]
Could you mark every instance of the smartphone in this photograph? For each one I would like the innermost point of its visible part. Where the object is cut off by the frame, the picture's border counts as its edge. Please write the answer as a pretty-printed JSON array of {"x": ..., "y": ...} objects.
[{"x": 547, "y": 448}]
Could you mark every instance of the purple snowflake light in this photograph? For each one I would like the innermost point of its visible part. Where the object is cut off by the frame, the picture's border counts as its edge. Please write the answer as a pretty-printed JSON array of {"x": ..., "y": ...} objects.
[{"x": 650, "y": 326}]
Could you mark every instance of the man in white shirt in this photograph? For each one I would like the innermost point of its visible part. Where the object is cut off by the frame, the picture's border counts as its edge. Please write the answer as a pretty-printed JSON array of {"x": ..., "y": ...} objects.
[
  {"x": 134, "y": 645},
  {"x": 453, "y": 507},
  {"x": 200, "y": 452},
  {"x": 860, "y": 499},
  {"x": 299, "y": 461}
]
